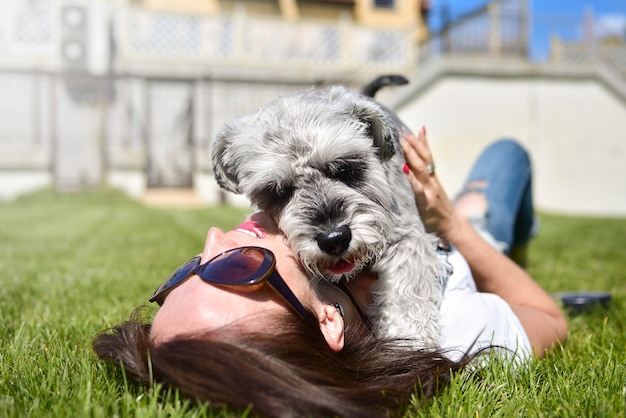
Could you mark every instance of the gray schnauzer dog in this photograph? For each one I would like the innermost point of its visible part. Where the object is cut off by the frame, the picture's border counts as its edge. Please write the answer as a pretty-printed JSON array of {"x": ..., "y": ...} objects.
[{"x": 326, "y": 164}]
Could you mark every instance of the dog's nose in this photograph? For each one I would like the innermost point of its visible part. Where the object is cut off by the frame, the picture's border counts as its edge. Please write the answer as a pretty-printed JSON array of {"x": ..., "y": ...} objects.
[{"x": 336, "y": 241}]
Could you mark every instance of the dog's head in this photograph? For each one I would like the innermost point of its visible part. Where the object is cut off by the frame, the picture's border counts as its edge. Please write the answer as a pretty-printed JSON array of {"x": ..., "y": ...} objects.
[{"x": 315, "y": 161}]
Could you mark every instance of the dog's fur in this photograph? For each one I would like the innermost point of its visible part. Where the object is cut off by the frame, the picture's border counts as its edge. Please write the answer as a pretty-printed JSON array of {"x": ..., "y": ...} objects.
[{"x": 327, "y": 166}]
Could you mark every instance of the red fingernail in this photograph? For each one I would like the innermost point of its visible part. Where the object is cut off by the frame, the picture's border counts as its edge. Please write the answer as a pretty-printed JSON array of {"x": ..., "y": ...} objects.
[
  {"x": 405, "y": 168},
  {"x": 424, "y": 130}
]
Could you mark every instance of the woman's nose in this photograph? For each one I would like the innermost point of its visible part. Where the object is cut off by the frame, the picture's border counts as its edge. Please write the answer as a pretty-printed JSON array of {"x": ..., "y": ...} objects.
[{"x": 217, "y": 241}]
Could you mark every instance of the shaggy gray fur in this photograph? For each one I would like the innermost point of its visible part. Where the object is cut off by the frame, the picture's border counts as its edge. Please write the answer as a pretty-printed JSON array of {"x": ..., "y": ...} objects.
[{"x": 326, "y": 164}]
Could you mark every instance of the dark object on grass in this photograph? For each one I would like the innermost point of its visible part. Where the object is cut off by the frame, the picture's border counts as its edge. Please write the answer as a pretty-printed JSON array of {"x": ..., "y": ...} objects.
[{"x": 579, "y": 302}]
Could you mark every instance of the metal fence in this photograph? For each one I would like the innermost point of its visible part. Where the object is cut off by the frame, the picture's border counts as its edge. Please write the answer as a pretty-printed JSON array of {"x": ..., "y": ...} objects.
[
  {"x": 239, "y": 39},
  {"x": 499, "y": 28},
  {"x": 99, "y": 36},
  {"x": 582, "y": 40},
  {"x": 505, "y": 28}
]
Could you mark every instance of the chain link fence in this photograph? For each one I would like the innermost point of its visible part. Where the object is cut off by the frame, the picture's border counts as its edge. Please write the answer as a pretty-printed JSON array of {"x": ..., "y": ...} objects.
[
  {"x": 505, "y": 28},
  {"x": 583, "y": 40},
  {"x": 96, "y": 37},
  {"x": 499, "y": 28},
  {"x": 240, "y": 39}
]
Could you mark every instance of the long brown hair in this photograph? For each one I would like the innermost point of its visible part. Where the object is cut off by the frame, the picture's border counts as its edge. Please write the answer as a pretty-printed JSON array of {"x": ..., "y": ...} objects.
[{"x": 282, "y": 372}]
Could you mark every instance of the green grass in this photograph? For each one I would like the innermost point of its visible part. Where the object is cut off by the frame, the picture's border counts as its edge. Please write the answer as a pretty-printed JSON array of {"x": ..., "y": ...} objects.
[{"x": 74, "y": 264}]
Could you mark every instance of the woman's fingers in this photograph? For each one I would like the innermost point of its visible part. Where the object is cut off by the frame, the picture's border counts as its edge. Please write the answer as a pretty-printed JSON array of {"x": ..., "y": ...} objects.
[
  {"x": 418, "y": 155},
  {"x": 434, "y": 206},
  {"x": 415, "y": 167},
  {"x": 416, "y": 185},
  {"x": 422, "y": 147},
  {"x": 409, "y": 148}
]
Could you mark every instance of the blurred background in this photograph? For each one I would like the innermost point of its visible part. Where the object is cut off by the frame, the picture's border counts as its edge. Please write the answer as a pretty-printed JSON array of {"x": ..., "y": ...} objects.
[{"x": 130, "y": 93}]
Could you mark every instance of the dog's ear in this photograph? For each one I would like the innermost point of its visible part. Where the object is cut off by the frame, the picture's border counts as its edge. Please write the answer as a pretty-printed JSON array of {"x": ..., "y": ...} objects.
[
  {"x": 379, "y": 123},
  {"x": 224, "y": 166},
  {"x": 384, "y": 135}
]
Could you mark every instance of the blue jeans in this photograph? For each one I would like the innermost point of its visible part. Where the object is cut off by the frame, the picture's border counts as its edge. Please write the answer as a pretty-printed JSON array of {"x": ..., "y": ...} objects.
[{"x": 503, "y": 174}]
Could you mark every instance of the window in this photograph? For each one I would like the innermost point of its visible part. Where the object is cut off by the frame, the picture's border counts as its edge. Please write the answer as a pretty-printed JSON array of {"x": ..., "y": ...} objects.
[{"x": 386, "y": 4}]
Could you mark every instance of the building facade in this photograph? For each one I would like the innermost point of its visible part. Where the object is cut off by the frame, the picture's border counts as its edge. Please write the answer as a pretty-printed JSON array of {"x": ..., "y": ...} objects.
[{"x": 130, "y": 94}]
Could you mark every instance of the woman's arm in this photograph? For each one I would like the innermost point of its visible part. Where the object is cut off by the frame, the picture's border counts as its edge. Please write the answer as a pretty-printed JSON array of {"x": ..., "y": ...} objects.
[{"x": 493, "y": 272}]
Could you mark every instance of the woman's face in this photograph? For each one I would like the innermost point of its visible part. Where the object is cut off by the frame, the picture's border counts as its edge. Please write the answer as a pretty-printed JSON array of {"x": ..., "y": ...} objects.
[{"x": 197, "y": 306}]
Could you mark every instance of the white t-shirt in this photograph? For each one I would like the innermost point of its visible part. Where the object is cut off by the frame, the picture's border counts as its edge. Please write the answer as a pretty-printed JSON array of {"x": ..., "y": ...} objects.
[{"x": 472, "y": 320}]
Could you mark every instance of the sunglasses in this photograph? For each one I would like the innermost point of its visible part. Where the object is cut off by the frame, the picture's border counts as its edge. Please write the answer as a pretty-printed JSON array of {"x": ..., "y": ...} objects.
[{"x": 243, "y": 266}]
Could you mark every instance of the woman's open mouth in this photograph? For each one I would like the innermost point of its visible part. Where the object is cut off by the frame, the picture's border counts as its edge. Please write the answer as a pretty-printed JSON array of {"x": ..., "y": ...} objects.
[
  {"x": 251, "y": 228},
  {"x": 341, "y": 267}
]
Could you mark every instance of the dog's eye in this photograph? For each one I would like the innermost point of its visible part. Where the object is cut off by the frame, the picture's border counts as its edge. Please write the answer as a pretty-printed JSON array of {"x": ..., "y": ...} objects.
[
  {"x": 283, "y": 192},
  {"x": 273, "y": 197},
  {"x": 346, "y": 172}
]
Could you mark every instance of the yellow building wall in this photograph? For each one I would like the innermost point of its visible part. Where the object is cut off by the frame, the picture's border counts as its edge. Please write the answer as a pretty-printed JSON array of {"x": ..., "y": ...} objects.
[
  {"x": 257, "y": 7},
  {"x": 318, "y": 10},
  {"x": 184, "y": 6},
  {"x": 405, "y": 13}
]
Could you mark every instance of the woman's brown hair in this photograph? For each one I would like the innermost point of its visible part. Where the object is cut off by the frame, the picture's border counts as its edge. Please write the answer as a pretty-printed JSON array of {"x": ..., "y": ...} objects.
[{"x": 282, "y": 372}]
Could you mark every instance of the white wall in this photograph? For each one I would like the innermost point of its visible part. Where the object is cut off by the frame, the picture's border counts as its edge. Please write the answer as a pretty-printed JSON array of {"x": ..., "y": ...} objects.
[{"x": 573, "y": 126}]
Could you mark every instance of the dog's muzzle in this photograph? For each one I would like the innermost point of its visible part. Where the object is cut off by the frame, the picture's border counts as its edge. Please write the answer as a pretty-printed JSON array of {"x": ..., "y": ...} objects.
[{"x": 335, "y": 242}]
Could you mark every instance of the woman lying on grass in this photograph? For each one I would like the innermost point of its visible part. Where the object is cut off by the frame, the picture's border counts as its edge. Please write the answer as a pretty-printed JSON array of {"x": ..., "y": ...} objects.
[{"x": 241, "y": 325}]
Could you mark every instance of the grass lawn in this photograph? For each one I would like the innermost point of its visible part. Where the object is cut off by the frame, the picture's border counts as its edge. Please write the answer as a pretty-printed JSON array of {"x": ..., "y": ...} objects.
[{"x": 74, "y": 264}]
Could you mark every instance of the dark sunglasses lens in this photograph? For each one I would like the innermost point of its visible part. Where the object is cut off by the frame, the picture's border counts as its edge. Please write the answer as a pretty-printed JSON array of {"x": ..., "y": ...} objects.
[
  {"x": 181, "y": 273},
  {"x": 240, "y": 266}
]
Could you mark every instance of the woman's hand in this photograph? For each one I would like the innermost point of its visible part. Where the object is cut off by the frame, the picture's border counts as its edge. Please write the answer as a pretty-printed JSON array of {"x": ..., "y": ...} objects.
[
  {"x": 493, "y": 272},
  {"x": 435, "y": 208}
]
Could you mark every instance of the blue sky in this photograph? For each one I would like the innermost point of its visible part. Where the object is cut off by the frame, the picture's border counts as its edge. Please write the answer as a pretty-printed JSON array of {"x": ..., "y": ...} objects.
[
  {"x": 561, "y": 17},
  {"x": 544, "y": 6}
]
